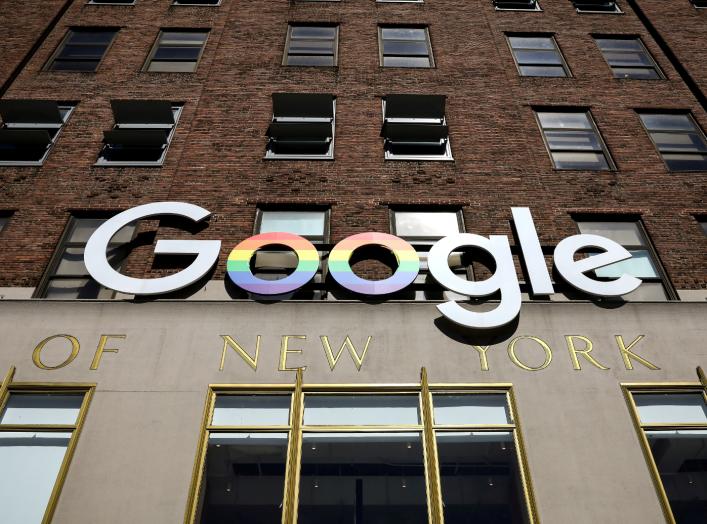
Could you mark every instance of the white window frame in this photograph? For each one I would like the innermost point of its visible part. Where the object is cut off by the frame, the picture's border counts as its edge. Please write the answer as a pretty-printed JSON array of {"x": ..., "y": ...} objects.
[
  {"x": 24, "y": 125},
  {"x": 176, "y": 111},
  {"x": 446, "y": 157}
]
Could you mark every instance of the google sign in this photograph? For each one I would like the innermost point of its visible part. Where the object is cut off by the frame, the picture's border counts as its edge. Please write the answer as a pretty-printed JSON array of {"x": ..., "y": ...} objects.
[{"x": 504, "y": 279}]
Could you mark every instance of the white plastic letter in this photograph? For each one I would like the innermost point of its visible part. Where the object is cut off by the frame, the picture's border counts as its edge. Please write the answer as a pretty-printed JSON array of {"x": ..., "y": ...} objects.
[
  {"x": 532, "y": 252},
  {"x": 573, "y": 270},
  {"x": 504, "y": 280},
  {"x": 206, "y": 251}
]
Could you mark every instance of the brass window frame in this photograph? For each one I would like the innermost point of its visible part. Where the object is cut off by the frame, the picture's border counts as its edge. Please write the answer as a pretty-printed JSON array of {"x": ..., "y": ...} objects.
[
  {"x": 7, "y": 387},
  {"x": 628, "y": 390},
  {"x": 296, "y": 429}
]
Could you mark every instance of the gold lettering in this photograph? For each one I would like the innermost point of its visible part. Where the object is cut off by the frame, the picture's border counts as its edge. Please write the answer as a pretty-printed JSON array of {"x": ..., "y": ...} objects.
[
  {"x": 285, "y": 350},
  {"x": 627, "y": 354},
  {"x": 235, "y": 346},
  {"x": 584, "y": 352},
  {"x": 482, "y": 356},
  {"x": 37, "y": 353},
  {"x": 514, "y": 358},
  {"x": 103, "y": 349},
  {"x": 333, "y": 360}
]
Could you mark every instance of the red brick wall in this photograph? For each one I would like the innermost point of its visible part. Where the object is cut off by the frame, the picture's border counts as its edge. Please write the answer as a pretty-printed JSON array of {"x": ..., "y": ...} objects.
[{"x": 216, "y": 157}]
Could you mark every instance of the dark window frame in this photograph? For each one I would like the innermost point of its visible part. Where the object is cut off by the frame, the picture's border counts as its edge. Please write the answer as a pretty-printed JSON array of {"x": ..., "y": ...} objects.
[
  {"x": 428, "y": 41},
  {"x": 611, "y": 165},
  {"x": 64, "y": 243},
  {"x": 662, "y": 278},
  {"x": 674, "y": 112},
  {"x": 637, "y": 38},
  {"x": 65, "y": 40},
  {"x": 156, "y": 45},
  {"x": 563, "y": 61},
  {"x": 536, "y": 7},
  {"x": 288, "y": 39}
]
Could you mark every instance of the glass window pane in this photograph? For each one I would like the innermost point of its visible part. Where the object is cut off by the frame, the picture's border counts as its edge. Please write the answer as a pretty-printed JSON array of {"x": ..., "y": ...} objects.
[
  {"x": 177, "y": 53},
  {"x": 647, "y": 291},
  {"x": 528, "y": 42},
  {"x": 639, "y": 265},
  {"x": 182, "y": 38},
  {"x": 589, "y": 161},
  {"x": 305, "y": 47},
  {"x": 30, "y": 463},
  {"x": 94, "y": 52},
  {"x": 481, "y": 480},
  {"x": 538, "y": 57},
  {"x": 251, "y": 410},
  {"x": 625, "y": 233},
  {"x": 628, "y": 58},
  {"x": 3, "y": 222},
  {"x": 36, "y": 408},
  {"x": 680, "y": 142},
  {"x": 73, "y": 65},
  {"x": 552, "y": 71},
  {"x": 606, "y": 44},
  {"x": 71, "y": 262},
  {"x": 640, "y": 73},
  {"x": 310, "y": 60},
  {"x": 171, "y": 67},
  {"x": 685, "y": 162},
  {"x": 667, "y": 122},
  {"x": 304, "y": 223},
  {"x": 426, "y": 223},
  {"x": 83, "y": 228},
  {"x": 564, "y": 120},
  {"x": 76, "y": 288},
  {"x": 306, "y": 31},
  {"x": 362, "y": 477},
  {"x": 488, "y": 409},
  {"x": 680, "y": 457},
  {"x": 406, "y": 61},
  {"x": 404, "y": 33},
  {"x": 410, "y": 48},
  {"x": 573, "y": 140},
  {"x": 91, "y": 37},
  {"x": 361, "y": 410},
  {"x": 244, "y": 478},
  {"x": 673, "y": 408}
]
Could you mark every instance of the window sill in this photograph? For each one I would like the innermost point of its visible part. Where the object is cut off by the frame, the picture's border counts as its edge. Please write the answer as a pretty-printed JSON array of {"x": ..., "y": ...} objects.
[
  {"x": 418, "y": 159},
  {"x": 296, "y": 157},
  {"x": 536, "y": 10},
  {"x": 127, "y": 164},
  {"x": 21, "y": 164},
  {"x": 617, "y": 12}
]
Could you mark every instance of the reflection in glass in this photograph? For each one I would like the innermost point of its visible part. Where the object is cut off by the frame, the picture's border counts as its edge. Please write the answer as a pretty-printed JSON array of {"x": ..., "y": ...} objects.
[
  {"x": 244, "y": 479},
  {"x": 29, "y": 463},
  {"x": 361, "y": 410},
  {"x": 252, "y": 410},
  {"x": 489, "y": 409},
  {"x": 481, "y": 481},
  {"x": 35, "y": 408},
  {"x": 681, "y": 459},
  {"x": 671, "y": 408},
  {"x": 353, "y": 478}
]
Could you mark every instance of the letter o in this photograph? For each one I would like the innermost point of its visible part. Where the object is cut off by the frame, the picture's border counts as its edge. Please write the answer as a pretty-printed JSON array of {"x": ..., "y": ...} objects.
[
  {"x": 238, "y": 264},
  {"x": 37, "y": 353},
  {"x": 514, "y": 358},
  {"x": 340, "y": 268}
]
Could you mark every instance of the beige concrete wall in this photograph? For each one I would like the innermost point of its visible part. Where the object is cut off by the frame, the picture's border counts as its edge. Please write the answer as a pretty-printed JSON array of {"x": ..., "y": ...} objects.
[{"x": 135, "y": 456}]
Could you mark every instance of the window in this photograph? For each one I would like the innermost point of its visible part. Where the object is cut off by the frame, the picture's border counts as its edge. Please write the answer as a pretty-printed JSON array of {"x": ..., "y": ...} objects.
[
  {"x": 4, "y": 219},
  {"x": 673, "y": 433},
  {"x": 82, "y": 49},
  {"x": 311, "y": 45},
  {"x": 197, "y": 2},
  {"x": 271, "y": 265},
  {"x": 112, "y": 2},
  {"x": 302, "y": 126},
  {"x": 405, "y": 47},
  {"x": 678, "y": 139},
  {"x": 38, "y": 433},
  {"x": 643, "y": 264},
  {"x": 574, "y": 141},
  {"x": 415, "y": 128},
  {"x": 29, "y": 129},
  {"x": 537, "y": 55},
  {"x": 177, "y": 51},
  {"x": 628, "y": 58},
  {"x": 422, "y": 229},
  {"x": 67, "y": 276},
  {"x": 359, "y": 455},
  {"x": 516, "y": 5},
  {"x": 699, "y": 3},
  {"x": 142, "y": 133},
  {"x": 596, "y": 6}
]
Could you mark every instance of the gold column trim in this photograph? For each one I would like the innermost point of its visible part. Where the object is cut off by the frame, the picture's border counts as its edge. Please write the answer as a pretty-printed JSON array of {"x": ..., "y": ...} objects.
[
  {"x": 5, "y": 385},
  {"x": 294, "y": 452},
  {"x": 434, "y": 489}
]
